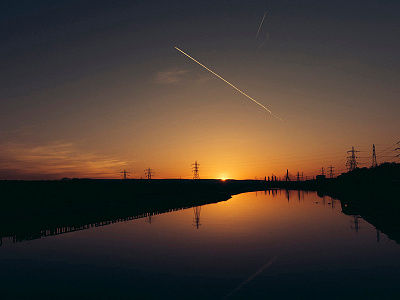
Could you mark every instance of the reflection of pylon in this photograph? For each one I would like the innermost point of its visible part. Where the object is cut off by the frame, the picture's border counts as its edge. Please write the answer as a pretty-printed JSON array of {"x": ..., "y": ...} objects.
[
  {"x": 352, "y": 159},
  {"x": 196, "y": 216},
  {"x": 149, "y": 173},
  {"x": 150, "y": 218},
  {"x": 374, "y": 163},
  {"x": 125, "y": 173},
  {"x": 195, "y": 170},
  {"x": 356, "y": 223},
  {"x": 332, "y": 203}
]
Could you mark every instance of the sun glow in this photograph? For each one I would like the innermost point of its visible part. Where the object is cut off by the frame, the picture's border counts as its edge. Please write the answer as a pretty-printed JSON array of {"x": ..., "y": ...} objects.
[{"x": 223, "y": 177}]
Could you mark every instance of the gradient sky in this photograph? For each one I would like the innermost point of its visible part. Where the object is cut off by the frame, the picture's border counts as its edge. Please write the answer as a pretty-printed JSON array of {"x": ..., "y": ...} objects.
[{"x": 90, "y": 88}]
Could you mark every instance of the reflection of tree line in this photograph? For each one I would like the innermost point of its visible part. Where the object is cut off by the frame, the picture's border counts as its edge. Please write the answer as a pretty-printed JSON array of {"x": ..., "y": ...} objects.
[
  {"x": 67, "y": 229},
  {"x": 149, "y": 217},
  {"x": 326, "y": 200},
  {"x": 300, "y": 194},
  {"x": 384, "y": 219}
]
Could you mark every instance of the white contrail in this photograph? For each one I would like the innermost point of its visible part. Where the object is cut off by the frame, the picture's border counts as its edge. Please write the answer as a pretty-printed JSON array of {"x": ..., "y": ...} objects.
[
  {"x": 261, "y": 24},
  {"x": 250, "y": 278},
  {"x": 262, "y": 43},
  {"x": 229, "y": 83}
]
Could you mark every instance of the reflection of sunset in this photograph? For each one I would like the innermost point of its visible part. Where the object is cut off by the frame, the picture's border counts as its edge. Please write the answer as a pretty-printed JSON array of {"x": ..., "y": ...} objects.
[{"x": 250, "y": 210}]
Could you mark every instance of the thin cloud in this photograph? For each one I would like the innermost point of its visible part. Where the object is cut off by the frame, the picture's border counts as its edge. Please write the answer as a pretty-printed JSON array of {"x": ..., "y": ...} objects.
[
  {"x": 55, "y": 160},
  {"x": 177, "y": 77},
  {"x": 171, "y": 76}
]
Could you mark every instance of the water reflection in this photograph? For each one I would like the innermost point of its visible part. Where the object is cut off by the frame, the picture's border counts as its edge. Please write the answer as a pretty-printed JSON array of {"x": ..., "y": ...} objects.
[
  {"x": 31, "y": 229},
  {"x": 355, "y": 223},
  {"x": 150, "y": 218},
  {"x": 250, "y": 247},
  {"x": 196, "y": 216},
  {"x": 29, "y": 235}
]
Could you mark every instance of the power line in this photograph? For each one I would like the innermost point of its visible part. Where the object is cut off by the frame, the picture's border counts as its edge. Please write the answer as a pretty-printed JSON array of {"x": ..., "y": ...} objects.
[{"x": 388, "y": 150}]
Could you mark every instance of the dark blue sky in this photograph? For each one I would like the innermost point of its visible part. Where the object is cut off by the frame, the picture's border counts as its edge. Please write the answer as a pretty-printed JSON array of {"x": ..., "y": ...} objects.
[{"x": 88, "y": 35}]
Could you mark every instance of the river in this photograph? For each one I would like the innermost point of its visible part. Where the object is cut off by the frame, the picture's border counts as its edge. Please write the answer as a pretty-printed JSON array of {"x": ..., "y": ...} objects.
[{"x": 259, "y": 245}]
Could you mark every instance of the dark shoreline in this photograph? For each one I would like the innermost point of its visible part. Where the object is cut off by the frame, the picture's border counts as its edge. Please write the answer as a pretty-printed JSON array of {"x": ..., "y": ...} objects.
[{"x": 32, "y": 209}]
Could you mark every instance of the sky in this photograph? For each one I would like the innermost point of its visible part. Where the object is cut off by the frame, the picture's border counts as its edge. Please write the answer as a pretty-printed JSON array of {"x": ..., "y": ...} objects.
[{"x": 92, "y": 88}]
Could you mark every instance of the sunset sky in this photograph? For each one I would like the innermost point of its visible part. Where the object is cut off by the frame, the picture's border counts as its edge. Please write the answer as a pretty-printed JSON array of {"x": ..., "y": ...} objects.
[{"x": 90, "y": 88}]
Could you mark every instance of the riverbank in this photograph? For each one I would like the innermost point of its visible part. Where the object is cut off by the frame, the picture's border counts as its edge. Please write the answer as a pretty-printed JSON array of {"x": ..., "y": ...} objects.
[
  {"x": 377, "y": 186},
  {"x": 28, "y": 208},
  {"x": 46, "y": 195},
  {"x": 373, "y": 194},
  {"x": 33, "y": 209}
]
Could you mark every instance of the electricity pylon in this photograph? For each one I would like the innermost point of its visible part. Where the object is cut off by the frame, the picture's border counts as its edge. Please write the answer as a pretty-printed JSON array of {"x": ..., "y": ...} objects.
[
  {"x": 149, "y": 173},
  {"x": 125, "y": 173},
  {"x": 374, "y": 163},
  {"x": 322, "y": 171},
  {"x": 352, "y": 159},
  {"x": 331, "y": 171},
  {"x": 195, "y": 170}
]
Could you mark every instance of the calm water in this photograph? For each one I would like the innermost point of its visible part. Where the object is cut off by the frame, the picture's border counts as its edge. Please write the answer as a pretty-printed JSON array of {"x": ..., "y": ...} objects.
[{"x": 255, "y": 245}]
